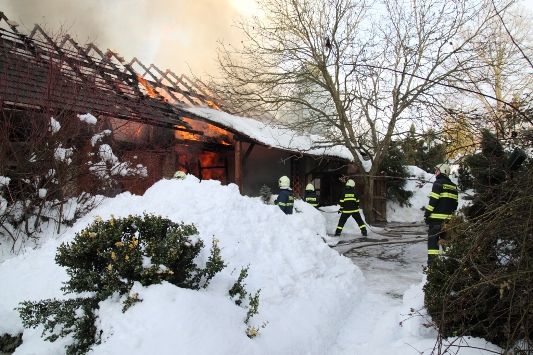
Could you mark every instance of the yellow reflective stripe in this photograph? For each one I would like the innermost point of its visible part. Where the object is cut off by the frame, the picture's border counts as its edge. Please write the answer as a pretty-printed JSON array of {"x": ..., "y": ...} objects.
[
  {"x": 285, "y": 204},
  {"x": 350, "y": 199},
  {"x": 433, "y": 251},
  {"x": 434, "y": 195},
  {"x": 349, "y": 195},
  {"x": 449, "y": 187},
  {"x": 310, "y": 199},
  {"x": 440, "y": 216},
  {"x": 340, "y": 228},
  {"x": 430, "y": 208},
  {"x": 449, "y": 195},
  {"x": 362, "y": 226},
  {"x": 352, "y": 211}
]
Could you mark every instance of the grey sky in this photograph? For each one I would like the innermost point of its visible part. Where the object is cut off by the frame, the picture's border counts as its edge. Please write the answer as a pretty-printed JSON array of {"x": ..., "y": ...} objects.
[
  {"x": 172, "y": 34},
  {"x": 175, "y": 34}
]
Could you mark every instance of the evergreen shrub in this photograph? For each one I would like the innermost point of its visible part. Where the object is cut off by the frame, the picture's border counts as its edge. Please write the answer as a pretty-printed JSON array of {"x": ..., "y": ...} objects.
[
  {"x": 108, "y": 257},
  {"x": 8, "y": 343},
  {"x": 483, "y": 285},
  {"x": 393, "y": 166}
]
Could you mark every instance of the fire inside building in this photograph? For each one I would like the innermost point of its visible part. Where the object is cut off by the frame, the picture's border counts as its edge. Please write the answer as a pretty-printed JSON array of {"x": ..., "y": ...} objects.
[{"x": 159, "y": 119}]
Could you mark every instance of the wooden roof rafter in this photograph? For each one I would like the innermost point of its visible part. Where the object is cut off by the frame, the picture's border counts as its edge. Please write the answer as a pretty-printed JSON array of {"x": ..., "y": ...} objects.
[
  {"x": 121, "y": 76},
  {"x": 26, "y": 80},
  {"x": 163, "y": 76},
  {"x": 208, "y": 98},
  {"x": 22, "y": 37},
  {"x": 99, "y": 76},
  {"x": 155, "y": 82}
]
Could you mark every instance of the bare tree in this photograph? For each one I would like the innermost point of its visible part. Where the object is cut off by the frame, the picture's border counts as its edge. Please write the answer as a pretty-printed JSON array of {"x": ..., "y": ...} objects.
[
  {"x": 501, "y": 78},
  {"x": 357, "y": 73}
]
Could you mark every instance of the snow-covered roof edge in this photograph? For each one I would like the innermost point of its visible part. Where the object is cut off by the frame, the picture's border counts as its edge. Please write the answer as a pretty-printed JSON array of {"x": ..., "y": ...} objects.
[{"x": 272, "y": 136}]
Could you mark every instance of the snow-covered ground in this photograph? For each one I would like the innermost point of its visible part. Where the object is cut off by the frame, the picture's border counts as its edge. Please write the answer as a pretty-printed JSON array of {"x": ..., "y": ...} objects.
[{"x": 313, "y": 300}]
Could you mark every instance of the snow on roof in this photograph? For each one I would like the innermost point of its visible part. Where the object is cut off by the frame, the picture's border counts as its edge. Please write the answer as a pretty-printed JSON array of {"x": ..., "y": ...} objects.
[{"x": 276, "y": 137}]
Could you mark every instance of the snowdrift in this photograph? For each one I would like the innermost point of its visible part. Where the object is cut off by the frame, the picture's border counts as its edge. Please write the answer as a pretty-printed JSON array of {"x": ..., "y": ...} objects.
[
  {"x": 306, "y": 288},
  {"x": 420, "y": 184}
]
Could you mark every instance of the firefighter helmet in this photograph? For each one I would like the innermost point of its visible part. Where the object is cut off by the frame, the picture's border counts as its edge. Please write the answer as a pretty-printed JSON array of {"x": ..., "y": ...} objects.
[
  {"x": 179, "y": 175},
  {"x": 309, "y": 187},
  {"x": 350, "y": 183},
  {"x": 284, "y": 182},
  {"x": 443, "y": 168}
]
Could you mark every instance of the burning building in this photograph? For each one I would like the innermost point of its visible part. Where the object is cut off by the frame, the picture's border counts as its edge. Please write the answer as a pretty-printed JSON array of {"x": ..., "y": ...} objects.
[{"x": 159, "y": 119}]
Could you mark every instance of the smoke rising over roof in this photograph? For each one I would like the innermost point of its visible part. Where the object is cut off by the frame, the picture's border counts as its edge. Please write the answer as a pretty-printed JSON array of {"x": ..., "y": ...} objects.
[{"x": 175, "y": 34}]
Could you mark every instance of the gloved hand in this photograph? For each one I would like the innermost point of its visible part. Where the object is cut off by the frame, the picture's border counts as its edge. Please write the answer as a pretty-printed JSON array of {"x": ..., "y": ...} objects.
[{"x": 339, "y": 211}]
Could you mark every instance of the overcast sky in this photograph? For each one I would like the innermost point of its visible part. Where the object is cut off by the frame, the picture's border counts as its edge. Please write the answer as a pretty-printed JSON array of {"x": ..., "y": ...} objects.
[{"x": 175, "y": 34}]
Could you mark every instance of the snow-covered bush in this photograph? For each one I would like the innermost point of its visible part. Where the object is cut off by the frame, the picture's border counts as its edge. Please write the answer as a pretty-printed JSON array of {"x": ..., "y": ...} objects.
[
  {"x": 8, "y": 342},
  {"x": 266, "y": 194},
  {"x": 106, "y": 259},
  {"x": 51, "y": 169},
  {"x": 239, "y": 293}
]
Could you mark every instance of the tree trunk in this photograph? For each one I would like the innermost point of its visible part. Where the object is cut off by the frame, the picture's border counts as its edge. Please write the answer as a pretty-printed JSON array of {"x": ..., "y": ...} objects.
[{"x": 368, "y": 205}]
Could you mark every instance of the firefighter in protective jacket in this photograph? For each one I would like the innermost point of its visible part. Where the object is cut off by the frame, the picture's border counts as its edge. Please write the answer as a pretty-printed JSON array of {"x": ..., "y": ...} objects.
[
  {"x": 443, "y": 201},
  {"x": 310, "y": 195},
  {"x": 350, "y": 207},
  {"x": 285, "y": 200}
]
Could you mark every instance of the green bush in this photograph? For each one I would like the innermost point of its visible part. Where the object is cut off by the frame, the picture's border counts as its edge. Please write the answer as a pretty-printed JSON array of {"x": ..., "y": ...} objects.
[
  {"x": 393, "y": 166},
  {"x": 108, "y": 257},
  {"x": 465, "y": 180},
  {"x": 8, "y": 343},
  {"x": 487, "y": 169}
]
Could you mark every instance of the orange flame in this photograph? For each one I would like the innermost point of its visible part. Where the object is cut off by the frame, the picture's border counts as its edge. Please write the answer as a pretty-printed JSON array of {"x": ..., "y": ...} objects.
[
  {"x": 149, "y": 88},
  {"x": 210, "y": 132},
  {"x": 212, "y": 166}
]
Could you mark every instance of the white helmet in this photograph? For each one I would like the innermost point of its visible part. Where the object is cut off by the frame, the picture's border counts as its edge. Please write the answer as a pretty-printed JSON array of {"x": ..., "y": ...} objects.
[
  {"x": 309, "y": 187},
  {"x": 179, "y": 175},
  {"x": 443, "y": 168},
  {"x": 350, "y": 183},
  {"x": 284, "y": 182}
]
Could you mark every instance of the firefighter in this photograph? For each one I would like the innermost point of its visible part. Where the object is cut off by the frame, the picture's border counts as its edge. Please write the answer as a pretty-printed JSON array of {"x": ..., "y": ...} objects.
[
  {"x": 285, "y": 200},
  {"x": 350, "y": 207},
  {"x": 443, "y": 201},
  {"x": 179, "y": 175},
  {"x": 310, "y": 195}
]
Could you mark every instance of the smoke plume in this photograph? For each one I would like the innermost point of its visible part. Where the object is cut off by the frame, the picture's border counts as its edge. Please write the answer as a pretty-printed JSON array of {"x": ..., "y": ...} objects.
[{"x": 178, "y": 34}]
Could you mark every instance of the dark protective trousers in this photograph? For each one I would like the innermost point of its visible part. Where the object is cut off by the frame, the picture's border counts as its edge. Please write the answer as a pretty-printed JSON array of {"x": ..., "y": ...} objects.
[
  {"x": 435, "y": 233},
  {"x": 344, "y": 217}
]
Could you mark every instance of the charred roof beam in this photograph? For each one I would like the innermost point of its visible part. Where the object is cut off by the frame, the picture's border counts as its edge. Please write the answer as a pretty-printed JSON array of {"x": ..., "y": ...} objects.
[
  {"x": 159, "y": 81},
  {"x": 177, "y": 88}
]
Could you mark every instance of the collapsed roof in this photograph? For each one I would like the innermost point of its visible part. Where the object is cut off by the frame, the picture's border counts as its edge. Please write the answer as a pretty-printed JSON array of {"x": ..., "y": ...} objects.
[{"x": 40, "y": 72}]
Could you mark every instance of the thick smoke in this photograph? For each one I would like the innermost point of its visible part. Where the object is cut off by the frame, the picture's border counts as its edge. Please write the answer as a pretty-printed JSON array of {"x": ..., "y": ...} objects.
[{"x": 178, "y": 34}]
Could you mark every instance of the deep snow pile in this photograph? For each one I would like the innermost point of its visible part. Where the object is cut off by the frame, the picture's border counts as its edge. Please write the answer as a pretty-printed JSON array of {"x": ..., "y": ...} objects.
[
  {"x": 306, "y": 288},
  {"x": 313, "y": 301}
]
